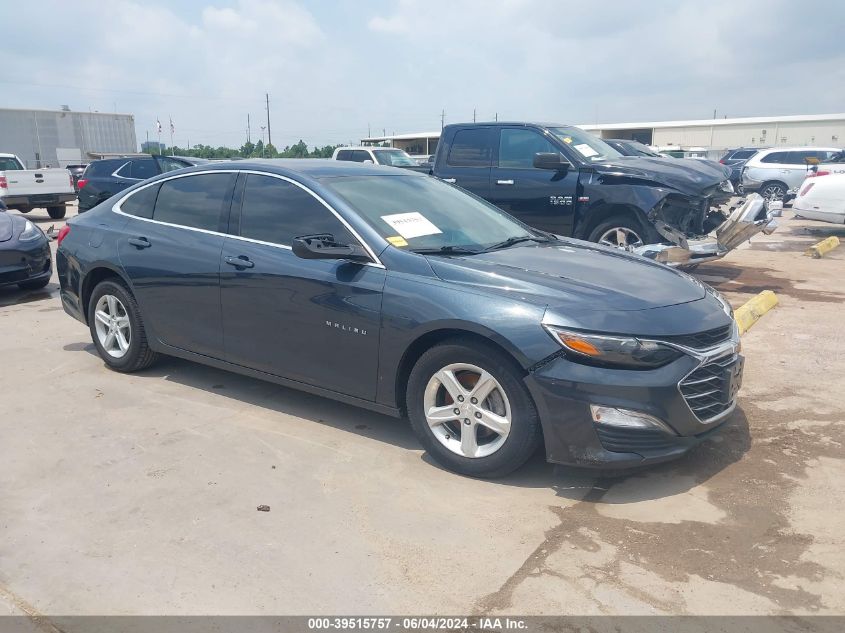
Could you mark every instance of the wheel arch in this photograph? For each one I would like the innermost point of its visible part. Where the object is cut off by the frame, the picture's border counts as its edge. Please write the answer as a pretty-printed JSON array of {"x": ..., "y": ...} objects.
[
  {"x": 601, "y": 212},
  {"x": 94, "y": 276}
]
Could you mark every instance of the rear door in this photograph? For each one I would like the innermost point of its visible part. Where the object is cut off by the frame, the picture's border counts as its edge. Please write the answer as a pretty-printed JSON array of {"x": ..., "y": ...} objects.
[
  {"x": 469, "y": 160},
  {"x": 541, "y": 198},
  {"x": 171, "y": 253},
  {"x": 310, "y": 320}
]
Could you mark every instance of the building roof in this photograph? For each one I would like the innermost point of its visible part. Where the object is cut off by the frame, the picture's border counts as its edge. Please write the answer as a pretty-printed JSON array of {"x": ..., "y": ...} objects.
[
  {"x": 67, "y": 112},
  {"x": 797, "y": 118}
]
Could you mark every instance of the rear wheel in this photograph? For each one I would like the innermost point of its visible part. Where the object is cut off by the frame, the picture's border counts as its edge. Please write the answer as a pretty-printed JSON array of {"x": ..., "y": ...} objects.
[
  {"x": 117, "y": 329},
  {"x": 773, "y": 191},
  {"x": 57, "y": 213},
  {"x": 24, "y": 209},
  {"x": 622, "y": 231},
  {"x": 471, "y": 410}
]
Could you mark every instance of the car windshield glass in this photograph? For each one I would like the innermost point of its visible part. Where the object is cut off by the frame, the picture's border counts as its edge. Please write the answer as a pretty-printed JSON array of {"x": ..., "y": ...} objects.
[
  {"x": 7, "y": 163},
  {"x": 642, "y": 150},
  {"x": 589, "y": 148},
  {"x": 394, "y": 158},
  {"x": 423, "y": 213}
]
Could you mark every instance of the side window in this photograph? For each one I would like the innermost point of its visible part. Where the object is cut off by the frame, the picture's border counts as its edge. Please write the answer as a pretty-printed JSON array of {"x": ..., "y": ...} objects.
[
  {"x": 471, "y": 148},
  {"x": 359, "y": 156},
  {"x": 169, "y": 164},
  {"x": 344, "y": 154},
  {"x": 775, "y": 157},
  {"x": 143, "y": 168},
  {"x": 277, "y": 211},
  {"x": 797, "y": 158},
  {"x": 125, "y": 170},
  {"x": 141, "y": 203},
  {"x": 518, "y": 146},
  {"x": 194, "y": 201}
]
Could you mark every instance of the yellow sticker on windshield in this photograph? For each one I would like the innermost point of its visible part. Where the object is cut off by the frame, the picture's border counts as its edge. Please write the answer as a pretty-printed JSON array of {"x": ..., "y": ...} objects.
[
  {"x": 397, "y": 241},
  {"x": 567, "y": 139}
]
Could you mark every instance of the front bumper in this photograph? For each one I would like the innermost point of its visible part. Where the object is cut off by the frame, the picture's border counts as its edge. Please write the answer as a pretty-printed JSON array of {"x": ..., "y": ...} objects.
[
  {"x": 746, "y": 218},
  {"x": 25, "y": 262},
  {"x": 563, "y": 392}
]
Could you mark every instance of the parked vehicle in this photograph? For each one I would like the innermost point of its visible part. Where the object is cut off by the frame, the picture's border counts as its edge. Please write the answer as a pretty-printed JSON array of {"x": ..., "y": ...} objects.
[
  {"x": 395, "y": 291},
  {"x": 736, "y": 159},
  {"x": 569, "y": 182},
  {"x": 389, "y": 156},
  {"x": 775, "y": 172},
  {"x": 104, "y": 178},
  {"x": 25, "y": 189},
  {"x": 631, "y": 148},
  {"x": 822, "y": 198},
  {"x": 25, "y": 258},
  {"x": 76, "y": 172}
]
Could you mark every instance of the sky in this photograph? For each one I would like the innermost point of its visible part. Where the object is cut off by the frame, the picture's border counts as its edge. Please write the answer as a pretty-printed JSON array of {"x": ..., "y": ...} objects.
[{"x": 337, "y": 70}]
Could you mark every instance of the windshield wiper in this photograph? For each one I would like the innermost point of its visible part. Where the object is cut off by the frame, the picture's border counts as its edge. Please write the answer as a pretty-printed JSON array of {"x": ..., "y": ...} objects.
[
  {"x": 446, "y": 250},
  {"x": 516, "y": 240}
]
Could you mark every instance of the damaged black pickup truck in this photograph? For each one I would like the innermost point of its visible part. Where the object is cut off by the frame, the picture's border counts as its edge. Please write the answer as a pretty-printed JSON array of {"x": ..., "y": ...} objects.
[{"x": 566, "y": 181}]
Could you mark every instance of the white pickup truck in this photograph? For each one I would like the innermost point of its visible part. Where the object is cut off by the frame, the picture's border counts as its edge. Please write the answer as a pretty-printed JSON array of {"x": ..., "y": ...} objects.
[{"x": 25, "y": 189}]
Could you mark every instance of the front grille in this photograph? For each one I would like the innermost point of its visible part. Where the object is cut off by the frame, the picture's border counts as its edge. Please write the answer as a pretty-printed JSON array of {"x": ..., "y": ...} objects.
[
  {"x": 710, "y": 389},
  {"x": 702, "y": 340},
  {"x": 619, "y": 440}
]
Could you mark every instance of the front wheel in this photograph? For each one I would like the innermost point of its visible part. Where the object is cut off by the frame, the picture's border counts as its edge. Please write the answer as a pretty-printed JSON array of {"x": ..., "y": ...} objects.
[
  {"x": 471, "y": 410},
  {"x": 621, "y": 231},
  {"x": 57, "y": 213},
  {"x": 773, "y": 191},
  {"x": 117, "y": 329}
]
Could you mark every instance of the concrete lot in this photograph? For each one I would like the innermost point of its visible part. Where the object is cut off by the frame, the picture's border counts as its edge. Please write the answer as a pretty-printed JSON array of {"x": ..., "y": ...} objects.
[{"x": 137, "y": 494}]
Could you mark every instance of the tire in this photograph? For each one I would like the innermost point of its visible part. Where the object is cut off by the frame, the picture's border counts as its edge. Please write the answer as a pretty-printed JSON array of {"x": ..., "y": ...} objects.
[
  {"x": 137, "y": 354},
  {"x": 36, "y": 284},
  {"x": 497, "y": 454},
  {"x": 773, "y": 191},
  {"x": 57, "y": 213},
  {"x": 24, "y": 209},
  {"x": 610, "y": 231}
]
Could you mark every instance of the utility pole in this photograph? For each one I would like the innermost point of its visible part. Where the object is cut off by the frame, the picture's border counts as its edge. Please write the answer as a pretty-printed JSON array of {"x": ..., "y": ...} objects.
[
  {"x": 369, "y": 133},
  {"x": 714, "y": 113},
  {"x": 442, "y": 119},
  {"x": 262, "y": 141},
  {"x": 269, "y": 136},
  {"x": 496, "y": 117},
  {"x": 248, "y": 139},
  {"x": 473, "y": 115}
]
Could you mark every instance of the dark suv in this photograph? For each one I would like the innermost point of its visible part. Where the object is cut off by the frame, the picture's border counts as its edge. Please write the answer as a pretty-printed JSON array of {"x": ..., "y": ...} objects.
[
  {"x": 104, "y": 178},
  {"x": 736, "y": 159}
]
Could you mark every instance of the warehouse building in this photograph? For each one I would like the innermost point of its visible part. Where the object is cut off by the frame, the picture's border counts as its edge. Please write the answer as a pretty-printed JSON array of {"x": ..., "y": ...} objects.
[
  {"x": 708, "y": 137},
  {"x": 58, "y": 138}
]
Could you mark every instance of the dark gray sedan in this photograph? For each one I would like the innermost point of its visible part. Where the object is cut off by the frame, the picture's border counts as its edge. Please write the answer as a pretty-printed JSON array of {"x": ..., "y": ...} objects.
[{"x": 25, "y": 257}]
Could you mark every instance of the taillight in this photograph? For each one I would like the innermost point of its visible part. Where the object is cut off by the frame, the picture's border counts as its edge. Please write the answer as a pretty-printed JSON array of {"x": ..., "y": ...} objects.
[
  {"x": 63, "y": 233},
  {"x": 3, "y": 183},
  {"x": 816, "y": 174},
  {"x": 722, "y": 160},
  {"x": 806, "y": 189},
  {"x": 81, "y": 182}
]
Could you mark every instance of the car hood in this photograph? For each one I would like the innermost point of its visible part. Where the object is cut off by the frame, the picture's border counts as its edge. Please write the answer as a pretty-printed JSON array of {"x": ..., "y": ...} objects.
[
  {"x": 7, "y": 227},
  {"x": 571, "y": 273},
  {"x": 691, "y": 177}
]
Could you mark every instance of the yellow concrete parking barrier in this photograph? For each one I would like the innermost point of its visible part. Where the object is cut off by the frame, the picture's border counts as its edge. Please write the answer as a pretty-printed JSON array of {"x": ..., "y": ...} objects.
[
  {"x": 750, "y": 312},
  {"x": 825, "y": 246}
]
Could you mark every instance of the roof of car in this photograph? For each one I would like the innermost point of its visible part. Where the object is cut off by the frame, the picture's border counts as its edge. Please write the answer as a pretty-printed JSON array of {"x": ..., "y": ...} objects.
[
  {"x": 309, "y": 167},
  {"x": 801, "y": 148}
]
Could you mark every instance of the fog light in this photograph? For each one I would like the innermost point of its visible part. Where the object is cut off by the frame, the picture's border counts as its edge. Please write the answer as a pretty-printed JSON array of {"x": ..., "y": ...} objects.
[{"x": 627, "y": 419}]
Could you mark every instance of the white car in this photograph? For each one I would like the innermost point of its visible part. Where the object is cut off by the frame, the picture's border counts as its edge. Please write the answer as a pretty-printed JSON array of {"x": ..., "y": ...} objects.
[
  {"x": 25, "y": 189},
  {"x": 822, "y": 198},
  {"x": 377, "y": 155},
  {"x": 775, "y": 173}
]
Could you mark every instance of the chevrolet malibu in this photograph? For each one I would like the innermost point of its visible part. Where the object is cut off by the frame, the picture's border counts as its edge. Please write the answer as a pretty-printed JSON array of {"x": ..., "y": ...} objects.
[{"x": 395, "y": 291}]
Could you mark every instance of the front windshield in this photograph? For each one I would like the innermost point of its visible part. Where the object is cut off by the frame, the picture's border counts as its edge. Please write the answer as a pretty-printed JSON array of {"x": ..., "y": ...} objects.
[
  {"x": 423, "y": 213},
  {"x": 394, "y": 158},
  {"x": 642, "y": 150},
  {"x": 590, "y": 148}
]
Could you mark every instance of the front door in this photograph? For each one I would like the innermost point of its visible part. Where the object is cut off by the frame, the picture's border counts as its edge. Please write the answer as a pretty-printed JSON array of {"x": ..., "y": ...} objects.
[
  {"x": 468, "y": 161},
  {"x": 313, "y": 321},
  {"x": 541, "y": 198}
]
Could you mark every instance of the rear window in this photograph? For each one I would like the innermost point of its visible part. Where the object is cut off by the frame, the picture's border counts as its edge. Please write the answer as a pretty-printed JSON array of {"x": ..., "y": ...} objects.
[
  {"x": 743, "y": 154},
  {"x": 344, "y": 154},
  {"x": 775, "y": 157},
  {"x": 103, "y": 168},
  {"x": 471, "y": 148},
  {"x": 194, "y": 201},
  {"x": 141, "y": 202},
  {"x": 8, "y": 163}
]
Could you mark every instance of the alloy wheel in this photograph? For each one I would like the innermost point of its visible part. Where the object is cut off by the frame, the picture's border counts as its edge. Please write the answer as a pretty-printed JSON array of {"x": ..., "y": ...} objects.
[
  {"x": 773, "y": 192},
  {"x": 114, "y": 330},
  {"x": 467, "y": 410},
  {"x": 621, "y": 237}
]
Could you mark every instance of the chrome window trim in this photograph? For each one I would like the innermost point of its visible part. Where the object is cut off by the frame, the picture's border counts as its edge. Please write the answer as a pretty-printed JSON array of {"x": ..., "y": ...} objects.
[{"x": 116, "y": 208}]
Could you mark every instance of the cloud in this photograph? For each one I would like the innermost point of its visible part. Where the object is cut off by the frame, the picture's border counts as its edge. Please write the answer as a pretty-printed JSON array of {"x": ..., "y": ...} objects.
[{"x": 394, "y": 24}]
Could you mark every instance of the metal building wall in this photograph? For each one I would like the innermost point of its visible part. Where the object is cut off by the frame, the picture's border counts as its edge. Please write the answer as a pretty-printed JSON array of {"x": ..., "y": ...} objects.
[
  {"x": 813, "y": 133},
  {"x": 57, "y": 138}
]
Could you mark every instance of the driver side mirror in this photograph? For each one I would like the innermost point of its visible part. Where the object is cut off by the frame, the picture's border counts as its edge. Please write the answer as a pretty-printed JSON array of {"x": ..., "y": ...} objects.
[
  {"x": 324, "y": 247},
  {"x": 551, "y": 160}
]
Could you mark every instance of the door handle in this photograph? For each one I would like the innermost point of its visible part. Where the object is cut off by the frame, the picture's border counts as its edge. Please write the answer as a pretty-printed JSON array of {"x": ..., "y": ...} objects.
[
  {"x": 449, "y": 180},
  {"x": 504, "y": 182},
  {"x": 140, "y": 242},
  {"x": 241, "y": 261}
]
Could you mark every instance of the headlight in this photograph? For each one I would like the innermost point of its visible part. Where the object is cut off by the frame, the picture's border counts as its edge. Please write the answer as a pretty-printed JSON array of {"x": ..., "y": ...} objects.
[
  {"x": 727, "y": 186},
  {"x": 30, "y": 232},
  {"x": 613, "y": 351}
]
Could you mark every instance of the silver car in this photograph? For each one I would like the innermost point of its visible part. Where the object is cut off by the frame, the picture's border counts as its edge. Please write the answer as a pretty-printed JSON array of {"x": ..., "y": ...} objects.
[{"x": 774, "y": 173}]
